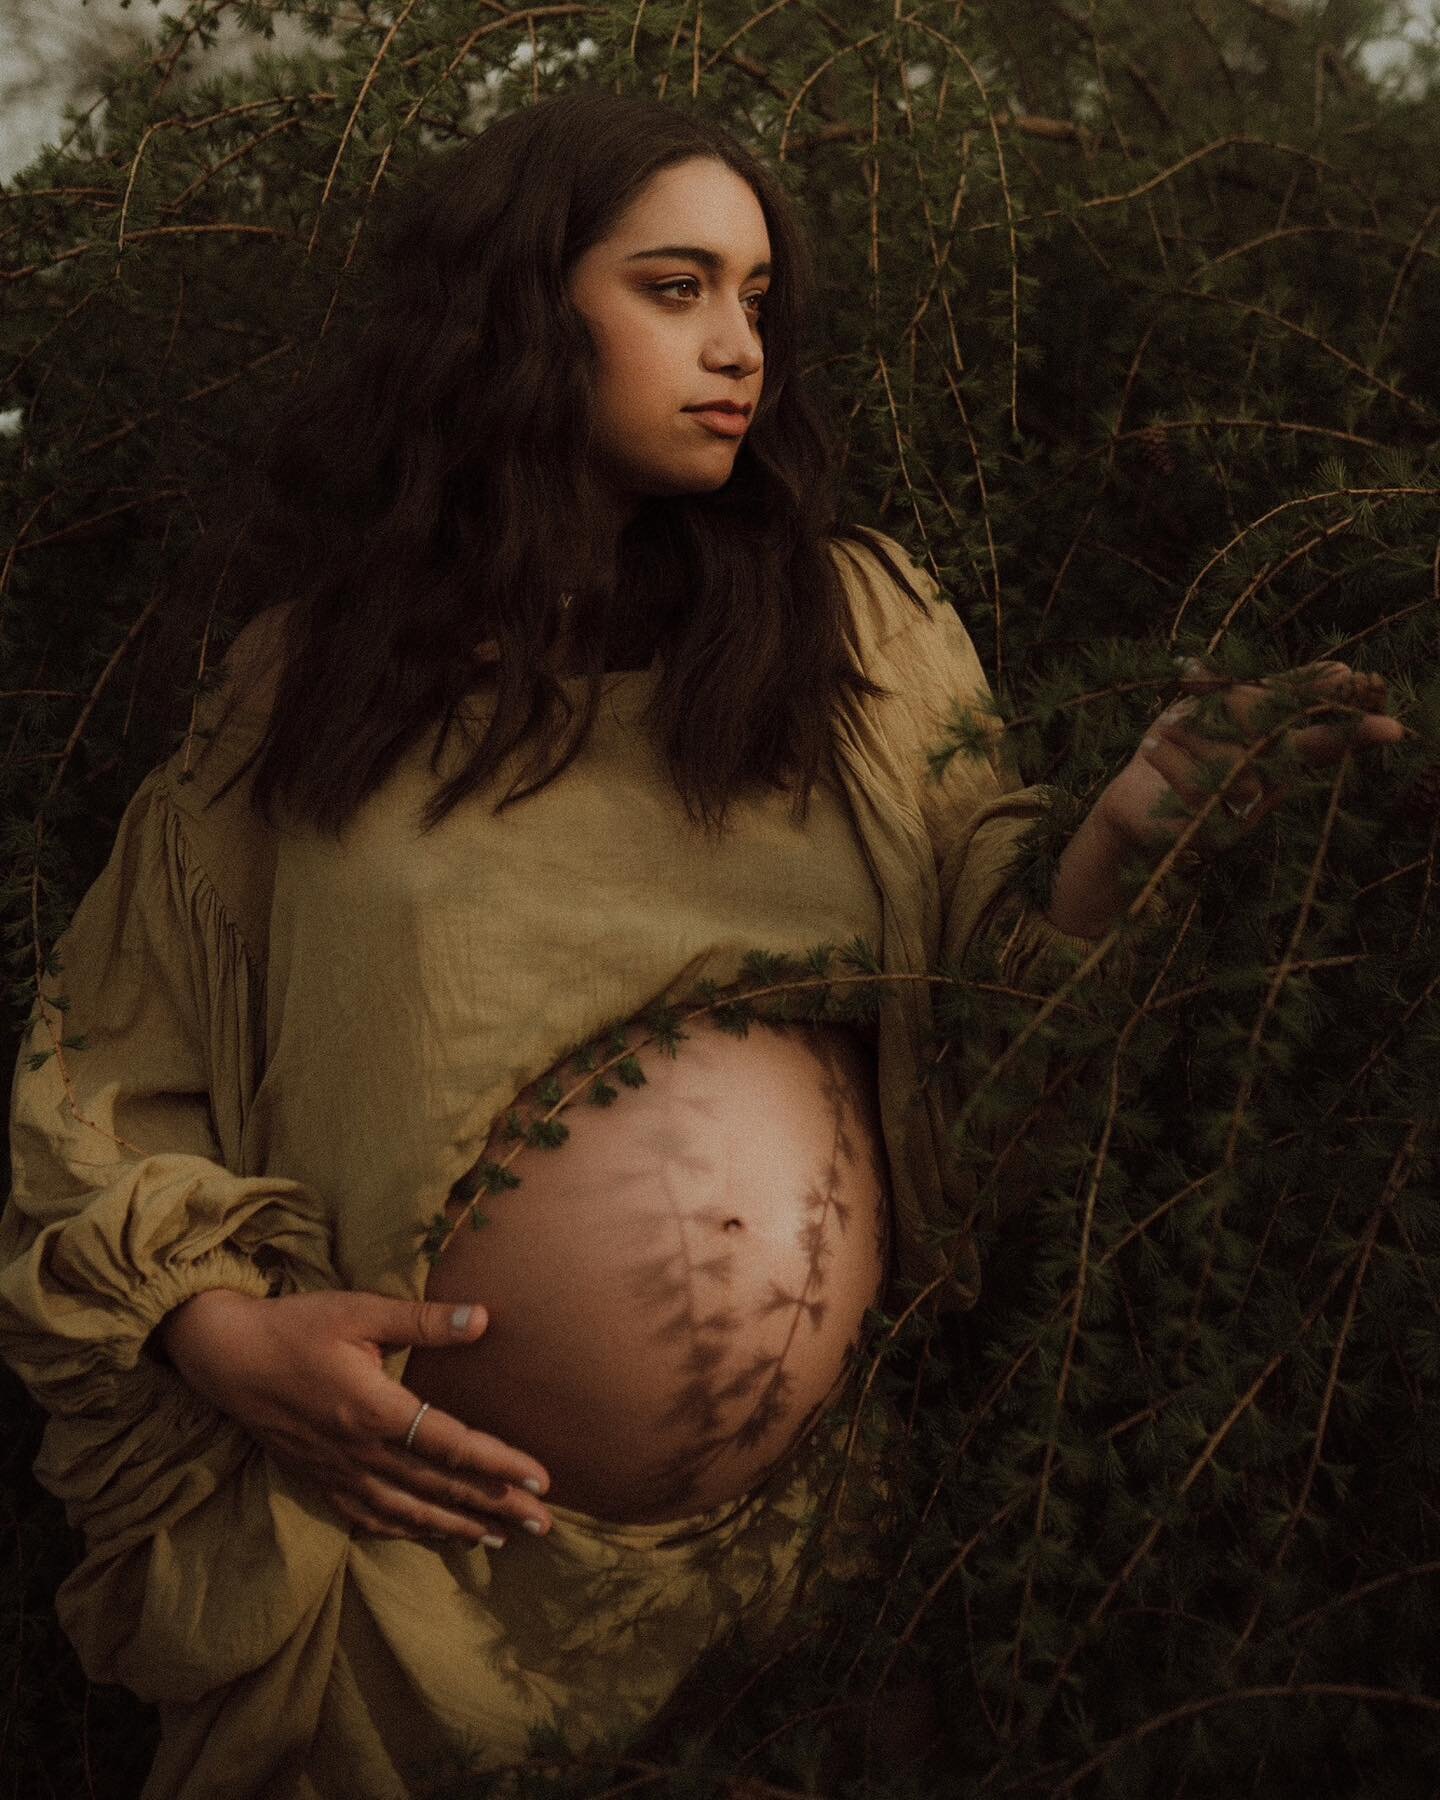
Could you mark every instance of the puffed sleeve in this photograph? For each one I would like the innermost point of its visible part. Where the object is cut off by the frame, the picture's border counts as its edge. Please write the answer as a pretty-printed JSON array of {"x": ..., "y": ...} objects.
[
  {"x": 975, "y": 814},
  {"x": 976, "y": 810},
  {"x": 125, "y": 1146}
]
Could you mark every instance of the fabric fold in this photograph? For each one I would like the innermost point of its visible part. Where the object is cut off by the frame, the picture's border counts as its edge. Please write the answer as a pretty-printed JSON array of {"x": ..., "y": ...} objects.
[
  {"x": 961, "y": 831},
  {"x": 282, "y": 1051},
  {"x": 125, "y": 1139},
  {"x": 124, "y": 1202}
]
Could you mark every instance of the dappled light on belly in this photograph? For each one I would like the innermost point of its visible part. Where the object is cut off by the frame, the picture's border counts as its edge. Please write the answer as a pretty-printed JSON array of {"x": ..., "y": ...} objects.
[{"x": 677, "y": 1290}]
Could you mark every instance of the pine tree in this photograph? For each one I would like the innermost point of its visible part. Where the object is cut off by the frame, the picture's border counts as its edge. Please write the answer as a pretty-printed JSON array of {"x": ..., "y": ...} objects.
[{"x": 1132, "y": 311}]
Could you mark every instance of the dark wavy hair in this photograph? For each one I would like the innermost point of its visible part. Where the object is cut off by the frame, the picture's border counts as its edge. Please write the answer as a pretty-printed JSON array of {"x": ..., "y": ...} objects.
[{"x": 426, "y": 487}]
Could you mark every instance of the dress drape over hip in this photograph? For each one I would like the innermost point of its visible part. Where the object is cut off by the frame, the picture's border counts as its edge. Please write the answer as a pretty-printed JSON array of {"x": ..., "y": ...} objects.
[{"x": 291, "y": 1050}]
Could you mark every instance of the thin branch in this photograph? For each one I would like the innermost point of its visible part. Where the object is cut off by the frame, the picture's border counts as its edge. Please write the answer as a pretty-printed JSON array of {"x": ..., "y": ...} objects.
[
  {"x": 1394, "y": 1180},
  {"x": 1284, "y": 506},
  {"x": 1346, "y": 1690}
]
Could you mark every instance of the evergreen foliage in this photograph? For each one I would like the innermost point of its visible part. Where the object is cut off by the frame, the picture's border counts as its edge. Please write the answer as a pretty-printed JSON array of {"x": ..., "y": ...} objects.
[{"x": 1132, "y": 312}]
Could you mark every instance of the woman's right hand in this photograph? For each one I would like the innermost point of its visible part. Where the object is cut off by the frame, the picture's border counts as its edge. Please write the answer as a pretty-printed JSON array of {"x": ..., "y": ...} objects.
[{"x": 303, "y": 1375}]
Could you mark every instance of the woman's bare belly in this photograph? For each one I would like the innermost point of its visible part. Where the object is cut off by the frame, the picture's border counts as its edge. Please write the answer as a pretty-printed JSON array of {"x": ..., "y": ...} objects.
[{"x": 676, "y": 1291}]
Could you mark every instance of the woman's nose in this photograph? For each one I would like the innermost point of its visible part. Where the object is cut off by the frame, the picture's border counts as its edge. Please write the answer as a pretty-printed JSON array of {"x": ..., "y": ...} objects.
[{"x": 735, "y": 344}]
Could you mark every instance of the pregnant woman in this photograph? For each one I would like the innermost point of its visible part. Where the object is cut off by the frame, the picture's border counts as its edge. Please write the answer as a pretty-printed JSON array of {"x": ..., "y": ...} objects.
[{"x": 349, "y": 1512}]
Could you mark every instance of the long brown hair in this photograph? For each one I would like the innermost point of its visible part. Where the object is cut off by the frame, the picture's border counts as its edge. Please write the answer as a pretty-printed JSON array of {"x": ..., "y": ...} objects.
[{"x": 426, "y": 487}]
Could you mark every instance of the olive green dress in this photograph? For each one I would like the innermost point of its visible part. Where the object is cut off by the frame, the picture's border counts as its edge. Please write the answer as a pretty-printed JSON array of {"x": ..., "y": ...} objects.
[{"x": 291, "y": 1049}]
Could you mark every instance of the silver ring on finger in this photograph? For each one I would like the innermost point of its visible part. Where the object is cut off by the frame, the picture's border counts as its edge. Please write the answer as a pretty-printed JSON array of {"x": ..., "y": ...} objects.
[{"x": 415, "y": 1424}]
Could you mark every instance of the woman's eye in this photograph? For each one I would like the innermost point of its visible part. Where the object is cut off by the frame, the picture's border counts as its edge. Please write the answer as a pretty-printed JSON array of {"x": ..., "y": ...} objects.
[{"x": 693, "y": 281}]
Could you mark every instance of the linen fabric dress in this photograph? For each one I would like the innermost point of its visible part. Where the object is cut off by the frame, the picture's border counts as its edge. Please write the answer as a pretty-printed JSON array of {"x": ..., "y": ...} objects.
[{"x": 292, "y": 1048}]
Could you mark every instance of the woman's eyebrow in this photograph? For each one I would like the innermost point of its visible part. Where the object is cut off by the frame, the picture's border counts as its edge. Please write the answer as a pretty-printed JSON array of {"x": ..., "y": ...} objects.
[{"x": 707, "y": 259}]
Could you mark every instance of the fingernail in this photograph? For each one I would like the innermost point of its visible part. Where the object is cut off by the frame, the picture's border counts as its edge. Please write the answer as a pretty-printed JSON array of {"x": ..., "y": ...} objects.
[
  {"x": 460, "y": 1318},
  {"x": 533, "y": 1526},
  {"x": 533, "y": 1483},
  {"x": 491, "y": 1542}
]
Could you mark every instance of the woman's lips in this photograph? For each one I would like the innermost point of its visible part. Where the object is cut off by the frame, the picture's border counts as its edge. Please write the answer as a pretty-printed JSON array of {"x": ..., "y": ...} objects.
[{"x": 723, "y": 424}]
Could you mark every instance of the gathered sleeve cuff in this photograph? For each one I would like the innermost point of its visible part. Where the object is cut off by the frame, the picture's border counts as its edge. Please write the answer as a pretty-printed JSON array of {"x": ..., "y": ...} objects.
[
  {"x": 978, "y": 816},
  {"x": 982, "y": 902},
  {"x": 987, "y": 834},
  {"x": 126, "y": 1142},
  {"x": 127, "y": 1107}
]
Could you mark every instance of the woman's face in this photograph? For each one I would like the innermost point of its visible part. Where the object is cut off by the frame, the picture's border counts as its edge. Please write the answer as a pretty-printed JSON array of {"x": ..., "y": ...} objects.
[{"x": 700, "y": 339}]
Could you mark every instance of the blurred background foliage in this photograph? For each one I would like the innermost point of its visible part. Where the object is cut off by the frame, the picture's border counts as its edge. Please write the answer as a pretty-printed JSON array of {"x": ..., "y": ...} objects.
[{"x": 1130, "y": 319}]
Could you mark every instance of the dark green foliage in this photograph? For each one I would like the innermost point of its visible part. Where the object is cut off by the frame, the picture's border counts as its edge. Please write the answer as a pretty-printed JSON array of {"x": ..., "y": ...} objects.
[{"x": 1135, "y": 335}]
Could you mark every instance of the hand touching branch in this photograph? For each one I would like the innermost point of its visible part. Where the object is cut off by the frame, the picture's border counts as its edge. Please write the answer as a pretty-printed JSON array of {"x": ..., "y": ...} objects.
[{"x": 1173, "y": 759}]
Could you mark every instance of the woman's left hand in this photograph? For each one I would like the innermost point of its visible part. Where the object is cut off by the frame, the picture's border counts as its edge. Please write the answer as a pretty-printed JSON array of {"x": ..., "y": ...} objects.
[{"x": 1174, "y": 752}]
